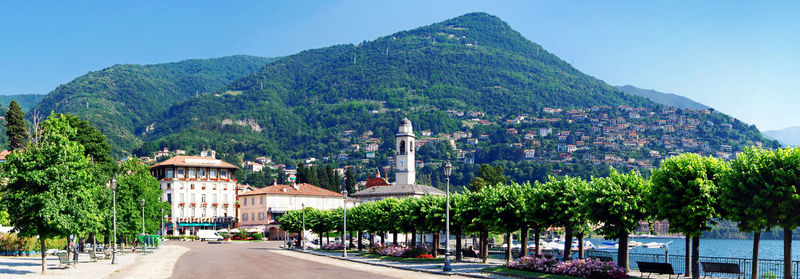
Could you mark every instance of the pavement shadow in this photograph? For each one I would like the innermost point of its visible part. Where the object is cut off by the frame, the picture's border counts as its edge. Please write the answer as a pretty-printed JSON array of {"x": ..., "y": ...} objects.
[
  {"x": 19, "y": 264},
  {"x": 14, "y": 271}
]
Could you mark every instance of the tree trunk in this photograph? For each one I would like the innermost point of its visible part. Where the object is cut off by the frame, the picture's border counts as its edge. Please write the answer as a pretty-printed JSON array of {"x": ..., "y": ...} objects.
[
  {"x": 327, "y": 238},
  {"x": 383, "y": 238},
  {"x": 360, "y": 238},
  {"x": 536, "y": 237},
  {"x": 458, "y": 246},
  {"x": 622, "y": 253},
  {"x": 394, "y": 235},
  {"x": 567, "y": 243},
  {"x": 435, "y": 244},
  {"x": 485, "y": 246},
  {"x": 696, "y": 258},
  {"x": 523, "y": 235},
  {"x": 413, "y": 239},
  {"x": 756, "y": 239},
  {"x": 787, "y": 253},
  {"x": 688, "y": 258},
  {"x": 508, "y": 247},
  {"x": 67, "y": 248},
  {"x": 44, "y": 257},
  {"x": 580, "y": 245},
  {"x": 371, "y": 240}
]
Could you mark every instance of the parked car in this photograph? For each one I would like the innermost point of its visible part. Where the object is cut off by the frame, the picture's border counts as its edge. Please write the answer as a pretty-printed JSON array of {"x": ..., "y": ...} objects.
[{"x": 204, "y": 235}]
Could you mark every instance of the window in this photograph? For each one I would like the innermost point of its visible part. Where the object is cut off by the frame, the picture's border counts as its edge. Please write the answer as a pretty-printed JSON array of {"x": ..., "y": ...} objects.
[
  {"x": 180, "y": 173},
  {"x": 244, "y": 217},
  {"x": 261, "y": 216},
  {"x": 212, "y": 173},
  {"x": 214, "y": 198},
  {"x": 262, "y": 200},
  {"x": 182, "y": 213},
  {"x": 203, "y": 198},
  {"x": 225, "y": 198},
  {"x": 191, "y": 186},
  {"x": 193, "y": 200},
  {"x": 245, "y": 201},
  {"x": 252, "y": 216},
  {"x": 201, "y": 173},
  {"x": 170, "y": 173},
  {"x": 181, "y": 198},
  {"x": 169, "y": 198},
  {"x": 203, "y": 213},
  {"x": 169, "y": 186},
  {"x": 253, "y": 200},
  {"x": 223, "y": 174},
  {"x": 191, "y": 173}
]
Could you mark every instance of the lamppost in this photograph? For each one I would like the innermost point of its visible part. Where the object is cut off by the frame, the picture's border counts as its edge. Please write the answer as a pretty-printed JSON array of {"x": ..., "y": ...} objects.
[
  {"x": 162, "y": 222},
  {"x": 143, "y": 234},
  {"x": 113, "y": 185},
  {"x": 303, "y": 234},
  {"x": 448, "y": 168},
  {"x": 344, "y": 219}
]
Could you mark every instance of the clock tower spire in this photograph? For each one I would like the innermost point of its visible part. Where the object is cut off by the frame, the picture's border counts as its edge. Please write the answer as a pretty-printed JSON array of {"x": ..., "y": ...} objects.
[{"x": 406, "y": 147}]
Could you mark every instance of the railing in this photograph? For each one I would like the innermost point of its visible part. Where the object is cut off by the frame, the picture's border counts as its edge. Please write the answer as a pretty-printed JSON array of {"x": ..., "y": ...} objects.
[{"x": 766, "y": 268}]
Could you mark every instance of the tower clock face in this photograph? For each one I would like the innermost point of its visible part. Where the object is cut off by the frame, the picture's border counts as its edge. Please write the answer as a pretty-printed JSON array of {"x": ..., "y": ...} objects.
[{"x": 402, "y": 162}]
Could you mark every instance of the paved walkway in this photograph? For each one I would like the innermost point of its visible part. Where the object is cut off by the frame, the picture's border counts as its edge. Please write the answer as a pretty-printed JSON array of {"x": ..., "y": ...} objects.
[{"x": 31, "y": 267}]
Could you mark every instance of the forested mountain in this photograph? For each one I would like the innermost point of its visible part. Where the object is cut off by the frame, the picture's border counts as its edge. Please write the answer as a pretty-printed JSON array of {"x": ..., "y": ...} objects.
[
  {"x": 123, "y": 100},
  {"x": 788, "y": 136},
  {"x": 26, "y": 101},
  {"x": 666, "y": 99},
  {"x": 297, "y": 104}
]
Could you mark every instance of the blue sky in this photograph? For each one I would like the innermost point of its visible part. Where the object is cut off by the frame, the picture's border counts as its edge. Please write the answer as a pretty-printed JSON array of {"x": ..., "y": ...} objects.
[{"x": 739, "y": 57}]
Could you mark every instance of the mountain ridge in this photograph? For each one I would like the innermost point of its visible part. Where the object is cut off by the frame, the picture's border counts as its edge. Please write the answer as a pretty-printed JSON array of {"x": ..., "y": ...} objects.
[
  {"x": 787, "y": 136},
  {"x": 667, "y": 99}
]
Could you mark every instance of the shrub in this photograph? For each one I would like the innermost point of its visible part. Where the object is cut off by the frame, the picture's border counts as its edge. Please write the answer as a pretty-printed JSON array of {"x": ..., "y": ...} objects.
[
  {"x": 416, "y": 251},
  {"x": 394, "y": 251},
  {"x": 258, "y": 236},
  {"x": 426, "y": 256},
  {"x": 333, "y": 246},
  {"x": 586, "y": 268}
]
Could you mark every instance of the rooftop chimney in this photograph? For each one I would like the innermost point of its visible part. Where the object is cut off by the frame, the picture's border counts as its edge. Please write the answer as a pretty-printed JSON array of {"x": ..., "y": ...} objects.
[{"x": 295, "y": 186}]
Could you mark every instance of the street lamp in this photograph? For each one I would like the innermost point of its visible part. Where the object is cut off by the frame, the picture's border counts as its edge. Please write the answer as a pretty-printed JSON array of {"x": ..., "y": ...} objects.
[
  {"x": 448, "y": 169},
  {"x": 113, "y": 185},
  {"x": 303, "y": 234},
  {"x": 344, "y": 219},
  {"x": 162, "y": 222},
  {"x": 143, "y": 234}
]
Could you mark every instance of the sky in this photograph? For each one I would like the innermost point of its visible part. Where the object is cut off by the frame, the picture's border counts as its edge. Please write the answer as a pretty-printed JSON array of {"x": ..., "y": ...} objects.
[{"x": 739, "y": 57}]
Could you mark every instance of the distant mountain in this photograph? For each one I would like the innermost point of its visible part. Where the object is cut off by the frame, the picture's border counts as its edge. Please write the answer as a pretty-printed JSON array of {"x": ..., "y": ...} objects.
[
  {"x": 666, "y": 99},
  {"x": 123, "y": 100},
  {"x": 788, "y": 136},
  {"x": 26, "y": 101}
]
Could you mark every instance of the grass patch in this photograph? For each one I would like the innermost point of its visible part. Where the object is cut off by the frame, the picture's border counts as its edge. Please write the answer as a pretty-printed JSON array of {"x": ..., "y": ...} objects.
[
  {"x": 337, "y": 251},
  {"x": 405, "y": 260},
  {"x": 506, "y": 270}
]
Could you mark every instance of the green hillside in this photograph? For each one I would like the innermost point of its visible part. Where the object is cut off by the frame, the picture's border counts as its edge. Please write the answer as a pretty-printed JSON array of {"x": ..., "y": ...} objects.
[
  {"x": 123, "y": 100},
  {"x": 26, "y": 101},
  {"x": 474, "y": 62},
  {"x": 666, "y": 99}
]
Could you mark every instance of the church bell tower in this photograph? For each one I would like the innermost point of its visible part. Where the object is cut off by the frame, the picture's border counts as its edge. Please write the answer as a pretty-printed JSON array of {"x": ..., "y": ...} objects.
[{"x": 405, "y": 153}]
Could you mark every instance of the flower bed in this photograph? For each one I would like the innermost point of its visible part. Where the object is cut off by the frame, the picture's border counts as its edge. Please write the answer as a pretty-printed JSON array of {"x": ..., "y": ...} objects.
[
  {"x": 402, "y": 252},
  {"x": 333, "y": 246},
  {"x": 586, "y": 268}
]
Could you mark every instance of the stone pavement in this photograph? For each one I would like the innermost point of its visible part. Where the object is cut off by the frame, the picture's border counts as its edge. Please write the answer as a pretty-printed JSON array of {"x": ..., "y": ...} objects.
[{"x": 30, "y": 267}]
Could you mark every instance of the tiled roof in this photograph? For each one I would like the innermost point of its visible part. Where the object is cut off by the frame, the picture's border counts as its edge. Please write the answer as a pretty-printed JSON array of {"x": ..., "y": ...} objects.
[
  {"x": 376, "y": 181},
  {"x": 195, "y": 161},
  {"x": 4, "y": 153},
  {"x": 399, "y": 190},
  {"x": 302, "y": 189}
]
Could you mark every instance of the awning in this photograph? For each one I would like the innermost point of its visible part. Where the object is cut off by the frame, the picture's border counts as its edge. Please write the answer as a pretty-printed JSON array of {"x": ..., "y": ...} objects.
[
  {"x": 195, "y": 224},
  {"x": 279, "y": 210}
]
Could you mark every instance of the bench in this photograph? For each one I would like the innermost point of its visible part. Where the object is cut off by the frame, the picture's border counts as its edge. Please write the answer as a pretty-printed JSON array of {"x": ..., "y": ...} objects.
[
  {"x": 602, "y": 258},
  {"x": 659, "y": 268},
  {"x": 64, "y": 261},
  {"x": 93, "y": 256},
  {"x": 469, "y": 253},
  {"x": 107, "y": 253},
  {"x": 723, "y": 268}
]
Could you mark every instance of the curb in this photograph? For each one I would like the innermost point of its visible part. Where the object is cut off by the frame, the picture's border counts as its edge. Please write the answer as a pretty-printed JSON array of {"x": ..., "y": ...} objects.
[{"x": 397, "y": 267}]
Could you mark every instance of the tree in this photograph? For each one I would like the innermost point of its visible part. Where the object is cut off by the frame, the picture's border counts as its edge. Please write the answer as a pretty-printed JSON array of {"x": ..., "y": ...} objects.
[
  {"x": 94, "y": 142},
  {"x": 51, "y": 189},
  {"x": 684, "y": 191},
  {"x": 510, "y": 208},
  {"x": 536, "y": 213},
  {"x": 488, "y": 175},
  {"x": 350, "y": 180},
  {"x": 479, "y": 214},
  {"x": 135, "y": 183},
  {"x": 564, "y": 206},
  {"x": 16, "y": 130},
  {"x": 617, "y": 203}
]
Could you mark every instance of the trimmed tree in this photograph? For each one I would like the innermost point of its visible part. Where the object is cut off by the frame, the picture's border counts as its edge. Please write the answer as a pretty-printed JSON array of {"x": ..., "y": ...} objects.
[
  {"x": 536, "y": 213},
  {"x": 564, "y": 206},
  {"x": 684, "y": 191},
  {"x": 16, "y": 130},
  {"x": 509, "y": 207},
  {"x": 617, "y": 203}
]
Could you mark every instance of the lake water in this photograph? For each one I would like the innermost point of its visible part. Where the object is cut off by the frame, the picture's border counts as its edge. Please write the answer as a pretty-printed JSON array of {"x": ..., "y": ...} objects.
[{"x": 734, "y": 248}]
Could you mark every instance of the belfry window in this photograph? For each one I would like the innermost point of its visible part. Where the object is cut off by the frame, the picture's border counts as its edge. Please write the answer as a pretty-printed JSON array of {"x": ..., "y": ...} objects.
[{"x": 402, "y": 147}]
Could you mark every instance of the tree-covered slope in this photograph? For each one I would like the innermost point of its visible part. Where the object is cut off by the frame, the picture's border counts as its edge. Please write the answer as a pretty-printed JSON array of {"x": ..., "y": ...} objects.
[
  {"x": 666, "y": 99},
  {"x": 123, "y": 100},
  {"x": 26, "y": 101},
  {"x": 474, "y": 62}
]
